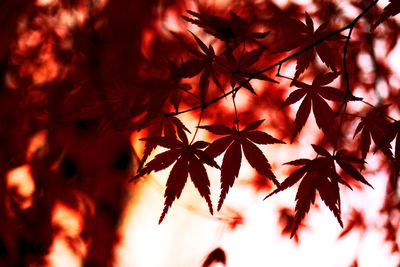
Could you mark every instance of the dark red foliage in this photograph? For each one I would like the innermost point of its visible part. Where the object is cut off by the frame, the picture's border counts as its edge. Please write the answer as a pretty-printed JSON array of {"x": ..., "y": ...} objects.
[
  {"x": 315, "y": 96},
  {"x": 392, "y": 132},
  {"x": 233, "y": 143},
  {"x": 392, "y": 9},
  {"x": 375, "y": 125},
  {"x": 296, "y": 34},
  {"x": 232, "y": 31},
  {"x": 189, "y": 160},
  {"x": 320, "y": 175},
  {"x": 161, "y": 126},
  {"x": 86, "y": 76}
]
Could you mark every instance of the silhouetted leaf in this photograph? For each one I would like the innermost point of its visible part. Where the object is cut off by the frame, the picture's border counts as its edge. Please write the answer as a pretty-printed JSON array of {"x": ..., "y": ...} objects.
[
  {"x": 314, "y": 95},
  {"x": 233, "y": 144},
  {"x": 319, "y": 175},
  {"x": 189, "y": 159},
  {"x": 392, "y": 9}
]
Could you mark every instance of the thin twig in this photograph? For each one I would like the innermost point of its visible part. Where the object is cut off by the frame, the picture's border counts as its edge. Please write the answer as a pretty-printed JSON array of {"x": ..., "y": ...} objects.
[
  {"x": 197, "y": 128},
  {"x": 236, "y": 114},
  {"x": 190, "y": 93}
]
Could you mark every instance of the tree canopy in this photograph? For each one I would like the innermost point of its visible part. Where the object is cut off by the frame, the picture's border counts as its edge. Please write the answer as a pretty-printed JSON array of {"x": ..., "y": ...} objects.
[{"x": 81, "y": 81}]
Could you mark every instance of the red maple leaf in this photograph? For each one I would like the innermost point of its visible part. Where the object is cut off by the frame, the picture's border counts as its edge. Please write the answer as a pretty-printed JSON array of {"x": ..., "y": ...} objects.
[
  {"x": 392, "y": 9},
  {"x": 235, "y": 30},
  {"x": 175, "y": 76},
  {"x": 166, "y": 88},
  {"x": 392, "y": 133},
  {"x": 233, "y": 143},
  {"x": 203, "y": 63},
  {"x": 159, "y": 126},
  {"x": 314, "y": 96},
  {"x": 320, "y": 175},
  {"x": 241, "y": 69},
  {"x": 296, "y": 34},
  {"x": 374, "y": 125},
  {"x": 189, "y": 159}
]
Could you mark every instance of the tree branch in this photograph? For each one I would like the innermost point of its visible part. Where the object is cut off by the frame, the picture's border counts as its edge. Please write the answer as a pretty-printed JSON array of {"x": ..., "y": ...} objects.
[{"x": 279, "y": 63}]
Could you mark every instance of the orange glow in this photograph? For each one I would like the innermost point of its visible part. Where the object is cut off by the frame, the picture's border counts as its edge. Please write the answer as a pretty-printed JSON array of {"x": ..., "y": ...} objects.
[
  {"x": 46, "y": 67},
  {"x": 61, "y": 255},
  {"x": 222, "y": 2},
  {"x": 45, "y": 2},
  {"x": 171, "y": 21},
  {"x": 68, "y": 248},
  {"x": 69, "y": 221},
  {"x": 37, "y": 145},
  {"x": 29, "y": 40},
  {"x": 47, "y": 72},
  {"x": 20, "y": 179}
]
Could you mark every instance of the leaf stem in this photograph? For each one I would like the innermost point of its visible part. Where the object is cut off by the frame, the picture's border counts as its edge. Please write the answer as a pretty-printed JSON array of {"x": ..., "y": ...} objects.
[
  {"x": 236, "y": 114},
  {"x": 190, "y": 93},
  {"x": 197, "y": 128}
]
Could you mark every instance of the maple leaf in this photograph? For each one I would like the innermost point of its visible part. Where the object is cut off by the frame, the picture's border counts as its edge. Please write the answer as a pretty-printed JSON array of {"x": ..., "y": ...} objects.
[
  {"x": 219, "y": 27},
  {"x": 392, "y": 133},
  {"x": 320, "y": 175},
  {"x": 315, "y": 95},
  {"x": 235, "y": 30},
  {"x": 233, "y": 143},
  {"x": 189, "y": 159},
  {"x": 241, "y": 69},
  {"x": 296, "y": 34},
  {"x": 203, "y": 63},
  {"x": 163, "y": 89},
  {"x": 392, "y": 9},
  {"x": 374, "y": 125},
  {"x": 175, "y": 76},
  {"x": 159, "y": 126}
]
